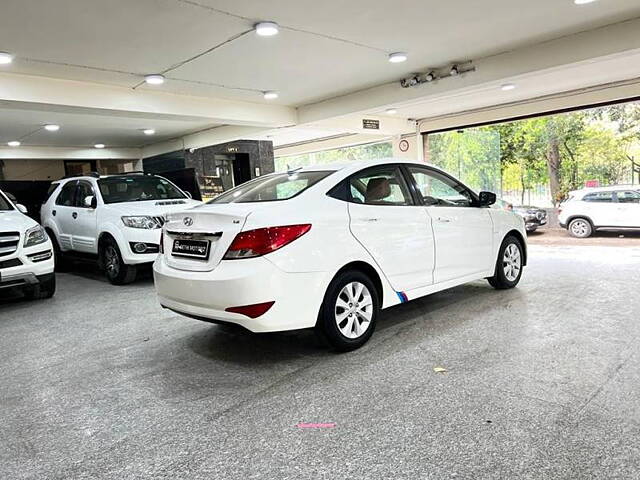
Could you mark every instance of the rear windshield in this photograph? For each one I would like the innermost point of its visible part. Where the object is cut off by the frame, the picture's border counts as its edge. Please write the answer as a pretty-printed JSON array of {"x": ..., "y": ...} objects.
[
  {"x": 137, "y": 188},
  {"x": 281, "y": 186},
  {"x": 4, "y": 203}
]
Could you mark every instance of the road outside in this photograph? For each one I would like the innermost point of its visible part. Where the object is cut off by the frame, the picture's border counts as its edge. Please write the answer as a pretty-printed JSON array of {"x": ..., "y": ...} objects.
[{"x": 552, "y": 235}]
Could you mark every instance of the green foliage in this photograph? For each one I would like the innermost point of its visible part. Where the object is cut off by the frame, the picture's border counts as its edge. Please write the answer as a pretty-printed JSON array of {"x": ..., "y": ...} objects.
[
  {"x": 560, "y": 150},
  {"x": 472, "y": 155}
]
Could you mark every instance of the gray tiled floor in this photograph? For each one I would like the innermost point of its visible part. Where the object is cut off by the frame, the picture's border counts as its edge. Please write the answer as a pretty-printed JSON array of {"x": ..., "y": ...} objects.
[{"x": 542, "y": 382}]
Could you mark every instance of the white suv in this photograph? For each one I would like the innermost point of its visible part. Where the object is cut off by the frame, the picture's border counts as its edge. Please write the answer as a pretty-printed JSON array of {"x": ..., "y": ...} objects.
[
  {"x": 26, "y": 256},
  {"x": 117, "y": 217},
  {"x": 603, "y": 208}
]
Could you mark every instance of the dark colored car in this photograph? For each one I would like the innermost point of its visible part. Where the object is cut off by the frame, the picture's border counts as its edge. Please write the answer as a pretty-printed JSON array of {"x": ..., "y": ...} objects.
[{"x": 534, "y": 217}]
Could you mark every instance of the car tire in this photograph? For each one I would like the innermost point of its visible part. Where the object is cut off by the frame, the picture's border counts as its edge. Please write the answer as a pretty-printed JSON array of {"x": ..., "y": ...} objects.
[
  {"x": 44, "y": 289},
  {"x": 508, "y": 265},
  {"x": 116, "y": 271},
  {"x": 349, "y": 311},
  {"x": 580, "y": 228}
]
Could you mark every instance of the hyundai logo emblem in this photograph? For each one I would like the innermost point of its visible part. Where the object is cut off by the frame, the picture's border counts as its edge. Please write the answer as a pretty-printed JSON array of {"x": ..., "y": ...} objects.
[{"x": 188, "y": 221}]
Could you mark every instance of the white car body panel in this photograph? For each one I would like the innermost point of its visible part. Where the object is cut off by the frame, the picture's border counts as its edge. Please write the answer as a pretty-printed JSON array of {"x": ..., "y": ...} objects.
[
  {"x": 11, "y": 251},
  {"x": 404, "y": 255},
  {"x": 82, "y": 233},
  {"x": 602, "y": 215}
]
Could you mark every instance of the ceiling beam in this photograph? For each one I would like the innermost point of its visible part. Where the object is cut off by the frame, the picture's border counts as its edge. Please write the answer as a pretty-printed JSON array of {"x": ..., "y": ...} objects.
[
  {"x": 212, "y": 136},
  {"x": 586, "y": 46},
  {"x": 70, "y": 153},
  {"x": 107, "y": 99}
]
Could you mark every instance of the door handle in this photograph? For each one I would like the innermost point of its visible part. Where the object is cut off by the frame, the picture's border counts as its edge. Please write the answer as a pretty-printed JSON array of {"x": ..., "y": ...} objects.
[
  {"x": 371, "y": 219},
  {"x": 443, "y": 220},
  {"x": 74, "y": 215}
]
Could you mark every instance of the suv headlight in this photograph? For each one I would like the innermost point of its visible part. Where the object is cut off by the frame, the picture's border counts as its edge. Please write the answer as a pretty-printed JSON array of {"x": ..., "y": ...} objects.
[
  {"x": 35, "y": 236},
  {"x": 141, "y": 222}
]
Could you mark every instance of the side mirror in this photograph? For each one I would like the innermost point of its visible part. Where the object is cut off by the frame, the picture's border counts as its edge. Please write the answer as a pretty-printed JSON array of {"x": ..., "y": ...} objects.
[
  {"x": 90, "y": 201},
  {"x": 11, "y": 197},
  {"x": 21, "y": 208},
  {"x": 487, "y": 198},
  {"x": 189, "y": 194}
]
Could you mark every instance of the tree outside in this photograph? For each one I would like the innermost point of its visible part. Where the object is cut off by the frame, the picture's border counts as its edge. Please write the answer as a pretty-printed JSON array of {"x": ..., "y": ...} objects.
[{"x": 544, "y": 157}]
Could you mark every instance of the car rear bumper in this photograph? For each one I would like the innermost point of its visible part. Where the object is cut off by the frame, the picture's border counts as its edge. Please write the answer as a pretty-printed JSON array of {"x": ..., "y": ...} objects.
[{"x": 206, "y": 295}]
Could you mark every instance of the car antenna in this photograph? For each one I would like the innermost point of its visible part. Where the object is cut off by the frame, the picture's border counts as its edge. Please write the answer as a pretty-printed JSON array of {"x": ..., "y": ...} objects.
[{"x": 291, "y": 171}]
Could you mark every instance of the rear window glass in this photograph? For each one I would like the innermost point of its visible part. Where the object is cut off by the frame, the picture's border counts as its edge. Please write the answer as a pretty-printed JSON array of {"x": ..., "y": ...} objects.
[{"x": 269, "y": 188}]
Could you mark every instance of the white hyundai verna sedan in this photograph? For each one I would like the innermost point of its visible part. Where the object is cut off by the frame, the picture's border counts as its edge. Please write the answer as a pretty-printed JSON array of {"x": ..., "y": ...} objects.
[{"x": 330, "y": 246}]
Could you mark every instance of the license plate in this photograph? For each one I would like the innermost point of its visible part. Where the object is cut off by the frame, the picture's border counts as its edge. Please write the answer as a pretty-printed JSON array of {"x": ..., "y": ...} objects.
[{"x": 191, "y": 248}]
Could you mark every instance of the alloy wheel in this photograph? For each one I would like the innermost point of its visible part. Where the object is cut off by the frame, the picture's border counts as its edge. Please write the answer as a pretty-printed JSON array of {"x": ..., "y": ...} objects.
[
  {"x": 512, "y": 262},
  {"x": 579, "y": 228},
  {"x": 112, "y": 262},
  {"x": 353, "y": 310}
]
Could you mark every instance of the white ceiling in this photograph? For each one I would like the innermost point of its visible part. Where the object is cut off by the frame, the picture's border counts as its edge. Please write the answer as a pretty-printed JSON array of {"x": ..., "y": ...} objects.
[
  {"x": 325, "y": 48},
  {"x": 537, "y": 85},
  {"x": 85, "y": 130}
]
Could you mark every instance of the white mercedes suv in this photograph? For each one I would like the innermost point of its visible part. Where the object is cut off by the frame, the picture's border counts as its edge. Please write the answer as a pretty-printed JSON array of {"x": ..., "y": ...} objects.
[
  {"x": 330, "y": 246},
  {"x": 116, "y": 218},
  {"x": 26, "y": 254},
  {"x": 603, "y": 208}
]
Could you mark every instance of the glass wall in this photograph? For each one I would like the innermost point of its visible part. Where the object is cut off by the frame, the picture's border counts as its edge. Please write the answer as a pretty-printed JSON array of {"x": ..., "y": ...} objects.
[
  {"x": 539, "y": 160},
  {"x": 339, "y": 155}
]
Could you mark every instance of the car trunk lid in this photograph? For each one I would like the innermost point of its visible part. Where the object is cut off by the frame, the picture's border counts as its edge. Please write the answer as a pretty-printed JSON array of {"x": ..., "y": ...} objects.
[{"x": 197, "y": 239}]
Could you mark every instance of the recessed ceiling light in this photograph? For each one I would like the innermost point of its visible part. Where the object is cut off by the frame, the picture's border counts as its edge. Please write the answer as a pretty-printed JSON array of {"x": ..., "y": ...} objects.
[
  {"x": 52, "y": 127},
  {"x": 270, "y": 95},
  {"x": 155, "y": 79},
  {"x": 5, "y": 58},
  {"x": 508, "y": 86},
  {"x": 149, "y": 131},
  {"x": 398, "y": 57},
  {"x": 13, "y": 143},
  {"x": 391, "y": 111},
  {"x": 99, "y": 145},
  {"x": 267, "y": 29},
  {"x": 583, "y": 2}
]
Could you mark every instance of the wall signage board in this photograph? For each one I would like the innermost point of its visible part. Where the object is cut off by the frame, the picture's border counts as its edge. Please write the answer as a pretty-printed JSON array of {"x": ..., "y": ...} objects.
[
  {"x": 370, "y": 124},
  {"x": 211, "y": 186}
]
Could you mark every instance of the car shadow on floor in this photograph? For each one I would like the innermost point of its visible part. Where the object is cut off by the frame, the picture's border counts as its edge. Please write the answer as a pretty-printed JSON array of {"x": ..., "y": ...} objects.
[
  {"x": 89, "y": 270},
  {"x": 229, "y": 343}
]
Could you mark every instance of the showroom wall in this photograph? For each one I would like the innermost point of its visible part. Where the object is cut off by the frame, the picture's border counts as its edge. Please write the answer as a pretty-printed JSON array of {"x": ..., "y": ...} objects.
[{"x": 32, "y": 169}]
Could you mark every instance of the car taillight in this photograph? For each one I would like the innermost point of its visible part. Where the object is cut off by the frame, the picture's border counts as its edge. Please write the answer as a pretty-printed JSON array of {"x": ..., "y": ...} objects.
[
  {"x": 251, "y": 311},
  {"x": 254, "y": 243}
]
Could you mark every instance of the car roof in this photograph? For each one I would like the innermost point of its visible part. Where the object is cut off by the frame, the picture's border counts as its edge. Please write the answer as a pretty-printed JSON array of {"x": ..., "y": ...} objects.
[
  {"x": 356, "y": 165},
  {"x": 610, "y": 188}
]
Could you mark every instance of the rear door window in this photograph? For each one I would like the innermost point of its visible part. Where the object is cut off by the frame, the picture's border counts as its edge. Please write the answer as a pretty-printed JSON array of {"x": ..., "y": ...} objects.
[
  {"x": 380, "y": 186},
  {"x": 599, "y": 197}
]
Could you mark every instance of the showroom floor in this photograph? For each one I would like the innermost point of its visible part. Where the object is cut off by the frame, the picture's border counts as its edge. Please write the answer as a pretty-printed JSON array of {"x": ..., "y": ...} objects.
[{"x": 540, "y": 382}]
